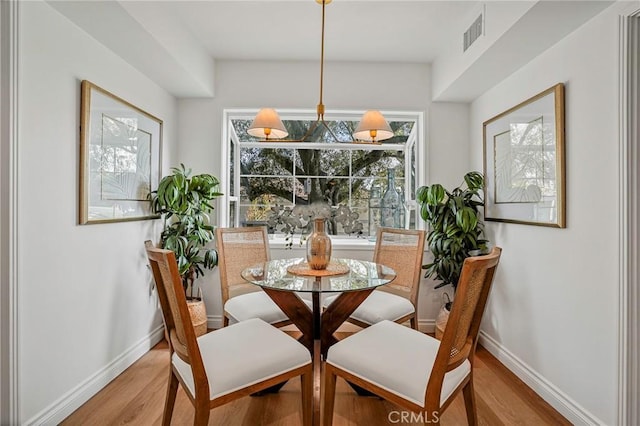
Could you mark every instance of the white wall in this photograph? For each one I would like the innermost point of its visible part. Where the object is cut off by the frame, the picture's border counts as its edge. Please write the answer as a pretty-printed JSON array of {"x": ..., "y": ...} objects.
[
  {"x": 448, "y": 155},
  {"x": 294, "y": 85},
  {"x": 86, "y": 307},
  {"x": 554, "y": 303},
  {"x": 346, "y": 86}
]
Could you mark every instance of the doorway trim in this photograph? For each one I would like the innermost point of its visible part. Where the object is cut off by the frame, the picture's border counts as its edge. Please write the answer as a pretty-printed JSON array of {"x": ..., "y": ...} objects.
[
  {"x": 9, "y": 51},
  {"x": 629, "y": 177}
]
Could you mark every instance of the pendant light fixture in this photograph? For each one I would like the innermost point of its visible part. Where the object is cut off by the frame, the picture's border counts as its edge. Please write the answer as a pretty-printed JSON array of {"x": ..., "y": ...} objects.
[{"x": 268, "y": 126}]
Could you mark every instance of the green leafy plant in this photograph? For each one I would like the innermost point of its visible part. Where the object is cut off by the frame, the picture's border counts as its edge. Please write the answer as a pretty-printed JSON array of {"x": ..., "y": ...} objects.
[
  {"x": 186, "y": 201},
  {"x": 456, "y": 228}
]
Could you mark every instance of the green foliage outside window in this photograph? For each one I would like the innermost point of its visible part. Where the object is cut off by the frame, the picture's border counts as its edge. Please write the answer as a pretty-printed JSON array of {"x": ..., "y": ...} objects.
[{"x": 297, "y": 176}]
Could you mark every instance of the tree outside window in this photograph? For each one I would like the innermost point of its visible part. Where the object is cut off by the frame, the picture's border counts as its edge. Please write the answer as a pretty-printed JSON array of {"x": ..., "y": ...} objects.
[{"x": 338, "y": 172}]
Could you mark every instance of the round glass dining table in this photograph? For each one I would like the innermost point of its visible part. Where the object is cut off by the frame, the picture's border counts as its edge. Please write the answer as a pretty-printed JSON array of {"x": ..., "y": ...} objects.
[{"x": 283, "y": 279}]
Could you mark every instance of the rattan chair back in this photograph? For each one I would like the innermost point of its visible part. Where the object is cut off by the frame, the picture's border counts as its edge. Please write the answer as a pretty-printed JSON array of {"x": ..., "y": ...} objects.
[
  {"x": 402, "y": 250},
  {"x": 173, "y": 303},
  {"x": 239, "y": 248},
  {"x": 460, "y": 336}
]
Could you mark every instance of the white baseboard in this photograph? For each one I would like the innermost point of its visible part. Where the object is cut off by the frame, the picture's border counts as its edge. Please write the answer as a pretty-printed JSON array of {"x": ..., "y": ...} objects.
[
  {"x": 214, "y": 321},
  {"x": 566, "y": 406},
  {"x": 427, "y": 325},
  {"x": 72, "y": 400}
]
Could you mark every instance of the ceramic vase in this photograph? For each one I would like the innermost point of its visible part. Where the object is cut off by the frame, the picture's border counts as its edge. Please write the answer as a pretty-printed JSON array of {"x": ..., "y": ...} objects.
[{"x": 318, "y": 246}]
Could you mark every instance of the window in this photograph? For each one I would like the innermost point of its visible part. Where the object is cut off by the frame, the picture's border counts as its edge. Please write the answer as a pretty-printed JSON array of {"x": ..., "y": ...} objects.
[{"x": 328, "y": 167}]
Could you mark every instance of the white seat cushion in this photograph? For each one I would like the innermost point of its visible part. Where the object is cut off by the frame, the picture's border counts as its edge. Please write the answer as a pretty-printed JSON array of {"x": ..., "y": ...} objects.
[
  {"x": 396, "y": 358},
  {"x": 379, "y": 306},
  {"x": 242, "y": 354},
  {"x": 254, "y": 305}
]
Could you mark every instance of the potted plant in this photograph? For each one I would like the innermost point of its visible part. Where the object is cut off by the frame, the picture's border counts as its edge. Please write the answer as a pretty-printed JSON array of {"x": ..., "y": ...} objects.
[
  {"x": 456, "y": 228},
  {"x": 185, "y": 202}
]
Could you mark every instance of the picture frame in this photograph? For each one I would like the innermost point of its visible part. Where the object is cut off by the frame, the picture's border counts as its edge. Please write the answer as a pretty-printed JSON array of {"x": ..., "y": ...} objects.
[
  {"x": 120, "y": 157},
  {"x": 524, "y": 162}
]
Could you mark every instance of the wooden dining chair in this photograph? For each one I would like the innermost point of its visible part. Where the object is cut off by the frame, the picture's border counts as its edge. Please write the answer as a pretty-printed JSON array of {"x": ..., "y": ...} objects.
[
  {"x": 425, "y": 374},
  {"x": 402, "y": 250},
  {"x": 239, "y": 248},
  {"x": 225, "y": 364}
]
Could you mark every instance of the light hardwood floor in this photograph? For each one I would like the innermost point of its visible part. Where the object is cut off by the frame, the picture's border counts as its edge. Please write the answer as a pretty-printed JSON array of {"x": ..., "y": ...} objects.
[{"x": 136, "y": 397}]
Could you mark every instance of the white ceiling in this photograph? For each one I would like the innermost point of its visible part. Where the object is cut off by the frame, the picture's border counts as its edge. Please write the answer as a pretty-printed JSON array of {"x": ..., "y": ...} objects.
[
  {"x": 400, "y": 31},
  {"x": 176, "y": 42}
]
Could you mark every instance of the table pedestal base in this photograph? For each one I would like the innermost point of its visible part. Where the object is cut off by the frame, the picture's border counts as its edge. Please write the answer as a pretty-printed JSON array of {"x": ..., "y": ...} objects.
[{"x": 317, "y": 327}]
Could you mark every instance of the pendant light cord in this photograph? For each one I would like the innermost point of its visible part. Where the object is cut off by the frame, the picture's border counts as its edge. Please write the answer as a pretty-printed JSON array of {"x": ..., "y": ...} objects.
[
  {"x": 320, "y": 110},
  {"x": 321, "y": 105}
]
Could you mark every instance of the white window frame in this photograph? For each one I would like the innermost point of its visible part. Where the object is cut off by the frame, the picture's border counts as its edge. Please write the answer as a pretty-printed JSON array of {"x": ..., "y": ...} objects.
[{"x": 228, "y": 134}]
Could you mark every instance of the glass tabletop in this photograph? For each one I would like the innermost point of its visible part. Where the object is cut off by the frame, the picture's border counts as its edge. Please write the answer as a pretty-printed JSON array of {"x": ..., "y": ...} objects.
[{"x": 361, "y": 275}]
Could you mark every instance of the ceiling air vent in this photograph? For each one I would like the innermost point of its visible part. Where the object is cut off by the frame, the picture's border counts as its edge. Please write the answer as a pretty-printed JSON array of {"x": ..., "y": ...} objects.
[{"x": 472, "y": 33}]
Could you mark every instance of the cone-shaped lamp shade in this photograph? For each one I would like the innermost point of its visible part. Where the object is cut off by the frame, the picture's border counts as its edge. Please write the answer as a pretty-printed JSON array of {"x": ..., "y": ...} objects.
[
  {"x": 373, "y": 128},
  {"x": 267, "y": 125}
]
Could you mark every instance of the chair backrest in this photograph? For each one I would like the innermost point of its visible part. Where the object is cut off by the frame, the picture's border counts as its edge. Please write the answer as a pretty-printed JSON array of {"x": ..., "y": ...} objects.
[
  {"x": 177, "y": 320},
  {"x": 239, "y": 248},
  {"x": 402, "y": 250},
  {"x": 460, "y": 336}
]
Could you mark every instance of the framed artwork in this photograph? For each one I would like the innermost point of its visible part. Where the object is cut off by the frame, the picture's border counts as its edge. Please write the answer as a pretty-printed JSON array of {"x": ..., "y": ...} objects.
[
  {"x": 120, "y": 147},
  {"x": 524, "y": 164}
]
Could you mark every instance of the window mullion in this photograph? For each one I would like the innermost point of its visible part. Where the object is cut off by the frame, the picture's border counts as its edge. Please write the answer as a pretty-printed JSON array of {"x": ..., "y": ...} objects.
[
  {"x": 408, "y": 154},
  {"x": 235, "y": 141}
]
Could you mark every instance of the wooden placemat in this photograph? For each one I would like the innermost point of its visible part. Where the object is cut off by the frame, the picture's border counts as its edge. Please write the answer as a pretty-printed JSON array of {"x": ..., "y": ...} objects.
[{"x": 305, "y": 270}]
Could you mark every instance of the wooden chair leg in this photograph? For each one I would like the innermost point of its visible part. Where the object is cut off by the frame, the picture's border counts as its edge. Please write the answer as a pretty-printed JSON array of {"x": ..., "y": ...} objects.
[
  {"x": 414, "y": 323},
  {"x": 329, "y": 395},
  {"x": 172, "y": 390},
  {"x": 225, "y": 321},
  {"x": 201, "y": 417},
  {"x": 307, "y": 398},
  {"x": 470, "y": 403}
]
